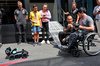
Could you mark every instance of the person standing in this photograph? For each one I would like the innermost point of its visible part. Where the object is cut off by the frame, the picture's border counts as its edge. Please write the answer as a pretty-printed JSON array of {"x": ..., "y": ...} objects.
[
  {"x": 96, "y": 11},
  {"x": 0, "y": 29},
  {"x": 73, "y": 13},
  {"x": 35, "y": 18},
  {"x": 21, "y": 15},
  {"x": 46, "y": 16}
]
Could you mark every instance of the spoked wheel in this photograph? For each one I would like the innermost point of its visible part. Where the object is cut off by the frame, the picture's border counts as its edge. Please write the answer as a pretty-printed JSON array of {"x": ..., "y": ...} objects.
[
  {"x": 91, "y": 44},
  {"x": 11, "y": 57},
  {"x": 75, "y": 53}
]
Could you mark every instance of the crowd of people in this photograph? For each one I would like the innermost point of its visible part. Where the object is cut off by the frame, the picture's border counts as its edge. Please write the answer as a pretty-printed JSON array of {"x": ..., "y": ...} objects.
[{"x": 40, "y": 20}]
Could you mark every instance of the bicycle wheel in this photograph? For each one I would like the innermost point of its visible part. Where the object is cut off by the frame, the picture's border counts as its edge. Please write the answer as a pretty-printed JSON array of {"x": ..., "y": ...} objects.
[{"x": 91, "y": 44}]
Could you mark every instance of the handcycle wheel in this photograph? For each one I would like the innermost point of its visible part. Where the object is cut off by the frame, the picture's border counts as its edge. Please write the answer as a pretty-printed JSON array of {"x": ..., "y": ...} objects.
[
  {"x": 24, "y": 56},
  {"x": 75, "y": 53},
  {"x": 11, "y": 57},
  {"x": 91, "y": 45}
]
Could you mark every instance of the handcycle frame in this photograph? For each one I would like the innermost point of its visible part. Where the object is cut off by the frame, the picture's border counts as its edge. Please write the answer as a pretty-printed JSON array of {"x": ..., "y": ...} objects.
[{"x": 75, "y": 51}]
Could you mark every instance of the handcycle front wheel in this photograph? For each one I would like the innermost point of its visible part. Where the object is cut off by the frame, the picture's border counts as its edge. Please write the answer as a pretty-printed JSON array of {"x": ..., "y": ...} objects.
[
  {"x": 75, "y": 53},
  {"x": 91, "y": 45}
]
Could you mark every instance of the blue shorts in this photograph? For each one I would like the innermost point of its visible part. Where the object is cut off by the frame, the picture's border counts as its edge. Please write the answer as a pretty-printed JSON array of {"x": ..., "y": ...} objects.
[{"x": 36, "y": 28}]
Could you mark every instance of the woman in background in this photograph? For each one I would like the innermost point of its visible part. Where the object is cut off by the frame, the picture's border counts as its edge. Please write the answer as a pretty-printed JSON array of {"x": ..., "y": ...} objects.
[{"x": 46, "y": 16}]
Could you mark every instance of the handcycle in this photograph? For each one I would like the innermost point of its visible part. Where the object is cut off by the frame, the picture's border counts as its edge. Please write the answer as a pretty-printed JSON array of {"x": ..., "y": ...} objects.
[{"x": 89, "y": 43}]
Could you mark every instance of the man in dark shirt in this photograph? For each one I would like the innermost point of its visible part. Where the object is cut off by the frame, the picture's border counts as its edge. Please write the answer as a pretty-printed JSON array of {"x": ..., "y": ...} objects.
[
  {"x": 21, "y": 15},
  {"x": 67, "y": 30},
  {"x": 73, "y": 13}
]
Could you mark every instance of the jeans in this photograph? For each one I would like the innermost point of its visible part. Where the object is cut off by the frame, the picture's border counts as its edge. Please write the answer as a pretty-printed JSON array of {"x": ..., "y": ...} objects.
[
  {"x": 75, "y": 36},
  {"x": 21, "y": 28}
]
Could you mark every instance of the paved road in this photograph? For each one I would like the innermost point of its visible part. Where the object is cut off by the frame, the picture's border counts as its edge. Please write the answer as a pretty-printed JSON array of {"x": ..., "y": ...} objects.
[
  {"x": 64, "y": 61},
  {"x": 47, "y": 55},
  {"x": 37, "y": 52}
]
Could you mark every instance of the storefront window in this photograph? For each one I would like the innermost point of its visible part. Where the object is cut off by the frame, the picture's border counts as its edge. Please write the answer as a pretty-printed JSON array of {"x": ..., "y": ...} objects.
[{"x": 7, "y": 7}]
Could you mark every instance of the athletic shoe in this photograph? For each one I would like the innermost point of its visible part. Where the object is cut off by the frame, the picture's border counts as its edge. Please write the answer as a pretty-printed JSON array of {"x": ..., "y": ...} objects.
[
  {"x": 38, "y": 43},
  {"x": 34, "y": 44},
  {"x": 43, "y": 42},
  {"x": 48, "y": 42},
  {"x": 19, "y": 42}
]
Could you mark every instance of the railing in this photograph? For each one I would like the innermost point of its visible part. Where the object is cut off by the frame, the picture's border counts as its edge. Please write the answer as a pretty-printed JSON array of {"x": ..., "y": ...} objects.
[{"x": 62, "y": 14}]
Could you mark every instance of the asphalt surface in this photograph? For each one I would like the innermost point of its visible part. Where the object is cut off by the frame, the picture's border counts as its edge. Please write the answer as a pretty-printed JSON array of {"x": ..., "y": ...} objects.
[
  {"x": 35, "y": 53},
  {"x": 64, "y": 60},
  {"x": 48, "y": 55}
]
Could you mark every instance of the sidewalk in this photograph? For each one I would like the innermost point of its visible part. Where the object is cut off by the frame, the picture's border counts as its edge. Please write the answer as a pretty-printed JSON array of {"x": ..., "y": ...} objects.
[{"x": 38, "y": 52}]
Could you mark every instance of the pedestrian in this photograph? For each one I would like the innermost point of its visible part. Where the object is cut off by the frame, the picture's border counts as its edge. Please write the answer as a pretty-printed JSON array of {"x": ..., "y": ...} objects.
[
  {"x": 96, "y": 11},
  {"x": 35, "y": 18},
  {"x": 21, "y": 15},
  {"x": 46, "y": 16},
  {"x": 73, "y": 12}
]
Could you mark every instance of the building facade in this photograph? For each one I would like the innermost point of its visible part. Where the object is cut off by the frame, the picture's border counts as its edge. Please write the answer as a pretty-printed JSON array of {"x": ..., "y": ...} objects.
[
  {"x": 57, "y": 8},
  {"x": 88, "y": 4},
  {"x": 9, "y": 24},
  {"x": 54, "y": 6}
]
